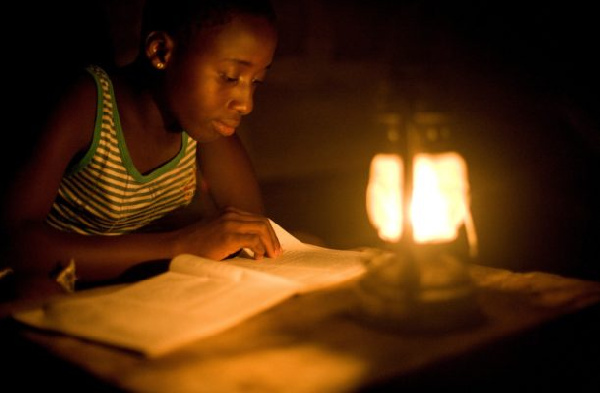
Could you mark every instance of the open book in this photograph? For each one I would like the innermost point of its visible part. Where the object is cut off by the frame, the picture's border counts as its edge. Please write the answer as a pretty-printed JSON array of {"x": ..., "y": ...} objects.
[{"x": 195, "y": 298}]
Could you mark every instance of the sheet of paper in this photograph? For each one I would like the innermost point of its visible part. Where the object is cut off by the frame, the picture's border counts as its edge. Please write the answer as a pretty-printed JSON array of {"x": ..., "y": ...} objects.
[
  {"x": 159, "y": 314},
  {"x": 314, "y": 267}
]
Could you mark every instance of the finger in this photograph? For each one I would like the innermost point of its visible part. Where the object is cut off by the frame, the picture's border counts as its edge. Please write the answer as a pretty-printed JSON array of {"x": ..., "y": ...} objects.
[
  {"x": 252, "y": 245},
  {"x": 252, "y": 223},
  {"x": 259, "y": 240},
  {"x": 235, "y": 210},
  {"x": 275, "y": 240}
]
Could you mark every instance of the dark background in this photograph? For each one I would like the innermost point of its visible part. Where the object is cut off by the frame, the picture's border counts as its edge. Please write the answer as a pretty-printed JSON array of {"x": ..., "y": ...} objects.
[{"x": 519, "y": 78}]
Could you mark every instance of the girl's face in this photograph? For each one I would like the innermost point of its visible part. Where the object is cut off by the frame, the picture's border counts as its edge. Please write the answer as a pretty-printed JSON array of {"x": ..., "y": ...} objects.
[{"x": 210, "y": 84}]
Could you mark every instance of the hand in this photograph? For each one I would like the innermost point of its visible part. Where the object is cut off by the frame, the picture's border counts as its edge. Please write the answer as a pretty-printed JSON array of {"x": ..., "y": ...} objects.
[{"x": 227, "y": 234}]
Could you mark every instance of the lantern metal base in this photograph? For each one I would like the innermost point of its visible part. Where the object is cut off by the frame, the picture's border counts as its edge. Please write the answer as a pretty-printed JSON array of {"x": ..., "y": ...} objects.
[{"x": 420, "y": 292}]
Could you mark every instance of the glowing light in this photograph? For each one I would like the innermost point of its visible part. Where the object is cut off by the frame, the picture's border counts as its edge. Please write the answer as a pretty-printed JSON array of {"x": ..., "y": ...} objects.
[
  {"x": 384, "y": 196},
  {"x": 440, "y": 199}
]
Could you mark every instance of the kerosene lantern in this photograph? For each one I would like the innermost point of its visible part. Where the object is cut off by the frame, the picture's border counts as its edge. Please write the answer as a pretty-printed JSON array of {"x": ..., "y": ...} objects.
[{"x": 418, "y": 201}]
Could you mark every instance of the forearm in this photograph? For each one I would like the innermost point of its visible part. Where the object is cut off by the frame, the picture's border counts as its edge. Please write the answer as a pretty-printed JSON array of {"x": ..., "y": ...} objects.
[
  {"x": 244, "y": 195},
  {"x": 229, "y": 176},
  {"x": 37, "y": 249}
]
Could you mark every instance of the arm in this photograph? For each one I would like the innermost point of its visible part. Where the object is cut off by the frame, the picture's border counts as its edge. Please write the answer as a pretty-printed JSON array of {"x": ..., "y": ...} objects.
[
  {"x": 225, "y": 179},
  {"x": 228, "y": 203},
  {"x": 230, "y": 185},
  {"x": 229, "y": 175},
  {"x": 37, "y": 248}
]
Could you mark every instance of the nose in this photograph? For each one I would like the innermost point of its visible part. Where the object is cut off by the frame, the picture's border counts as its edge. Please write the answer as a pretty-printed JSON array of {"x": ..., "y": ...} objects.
[{"x": 243, "y": 101}]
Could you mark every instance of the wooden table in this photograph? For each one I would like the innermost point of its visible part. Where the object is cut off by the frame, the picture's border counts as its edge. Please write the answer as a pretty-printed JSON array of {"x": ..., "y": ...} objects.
[{"x": 537, "y": 329}]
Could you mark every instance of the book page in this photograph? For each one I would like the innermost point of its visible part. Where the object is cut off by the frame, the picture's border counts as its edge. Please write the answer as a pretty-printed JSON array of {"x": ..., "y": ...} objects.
[
  {"x": 203, "y": 267},
  {"x": 159, "y": 314},
  {"x": 312, "y": 266}
]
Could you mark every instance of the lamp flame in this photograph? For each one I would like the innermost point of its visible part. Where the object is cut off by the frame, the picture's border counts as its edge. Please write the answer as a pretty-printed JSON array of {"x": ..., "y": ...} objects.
[
  {"x": 384, "y": 196},
  {"x": 440, "y": 200}
]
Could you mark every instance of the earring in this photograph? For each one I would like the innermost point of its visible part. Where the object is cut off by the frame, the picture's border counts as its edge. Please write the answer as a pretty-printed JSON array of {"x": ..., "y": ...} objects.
[{"x": 160, "y": 66}]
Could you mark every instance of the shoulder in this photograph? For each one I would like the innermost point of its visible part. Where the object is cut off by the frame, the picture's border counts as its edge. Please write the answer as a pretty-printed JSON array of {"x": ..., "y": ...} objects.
[
  {"x": 80, "y": 92},
  {"x": 73, "y": 116}
]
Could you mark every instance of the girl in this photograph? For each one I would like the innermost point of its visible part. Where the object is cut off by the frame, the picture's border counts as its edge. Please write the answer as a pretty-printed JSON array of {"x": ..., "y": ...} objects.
[{"x": 122, "y": 147}]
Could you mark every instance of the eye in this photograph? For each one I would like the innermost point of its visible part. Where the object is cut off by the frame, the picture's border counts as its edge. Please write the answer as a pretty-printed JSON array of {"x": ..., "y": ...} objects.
[
  {"x": 229, "y": 78},
  {"x": 257, "y": 82}
]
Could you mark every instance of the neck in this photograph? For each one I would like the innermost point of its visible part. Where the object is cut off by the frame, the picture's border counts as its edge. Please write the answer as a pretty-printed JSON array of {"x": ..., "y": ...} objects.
[
  {"x": 144, "y": 85},
  {"x": 140, "y": 76}
]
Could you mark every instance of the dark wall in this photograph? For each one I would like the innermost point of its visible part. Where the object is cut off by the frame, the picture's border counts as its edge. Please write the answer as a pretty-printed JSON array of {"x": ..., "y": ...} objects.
[
  {"x": 529, "y": 95},
  {"x": 47, "y": 42}
]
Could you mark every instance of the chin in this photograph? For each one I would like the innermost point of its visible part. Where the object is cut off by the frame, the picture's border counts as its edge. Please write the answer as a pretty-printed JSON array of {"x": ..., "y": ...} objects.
[
  {"x": 204, "y": 135},
  {"x": 205, "y": 139}
]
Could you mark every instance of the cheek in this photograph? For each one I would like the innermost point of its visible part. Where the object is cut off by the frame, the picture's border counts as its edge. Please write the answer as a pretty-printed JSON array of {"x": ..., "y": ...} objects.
[
  {"x": 209, "y": 98},
  {"x": 198, "y": 105},
  {"x": 191, "y": 101}
]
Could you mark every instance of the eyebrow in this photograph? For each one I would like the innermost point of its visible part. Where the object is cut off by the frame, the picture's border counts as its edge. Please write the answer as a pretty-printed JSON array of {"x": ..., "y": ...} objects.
[{"x": 245, "y": 62}]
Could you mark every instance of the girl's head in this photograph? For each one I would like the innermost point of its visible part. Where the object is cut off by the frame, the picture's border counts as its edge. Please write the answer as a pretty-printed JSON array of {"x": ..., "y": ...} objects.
[
  {"x": 182, "y": 18},
  {"x": 209, "y": 57}
]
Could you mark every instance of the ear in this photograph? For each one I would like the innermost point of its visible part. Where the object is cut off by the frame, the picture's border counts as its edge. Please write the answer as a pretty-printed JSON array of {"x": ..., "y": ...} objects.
[{"x": 159, "y": 49}]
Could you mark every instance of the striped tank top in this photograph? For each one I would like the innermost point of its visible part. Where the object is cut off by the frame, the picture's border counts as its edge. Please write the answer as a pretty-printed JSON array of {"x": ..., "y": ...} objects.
[{"x": 104, "y": 194}]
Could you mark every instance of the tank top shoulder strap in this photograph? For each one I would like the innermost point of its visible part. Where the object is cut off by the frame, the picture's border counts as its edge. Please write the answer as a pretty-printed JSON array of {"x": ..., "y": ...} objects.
[{"x": 105, "y": 114}]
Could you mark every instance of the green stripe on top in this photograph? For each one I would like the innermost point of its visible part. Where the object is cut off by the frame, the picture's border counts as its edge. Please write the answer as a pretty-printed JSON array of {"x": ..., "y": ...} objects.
[
  {"x": 97, "y": 129},
  {"x": 127, "y": 161},
  {"x": 105, "y": 194}
]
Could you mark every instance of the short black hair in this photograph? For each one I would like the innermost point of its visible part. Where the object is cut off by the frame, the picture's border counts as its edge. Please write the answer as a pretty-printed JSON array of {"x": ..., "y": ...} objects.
[{"x": 181, "y": 18}]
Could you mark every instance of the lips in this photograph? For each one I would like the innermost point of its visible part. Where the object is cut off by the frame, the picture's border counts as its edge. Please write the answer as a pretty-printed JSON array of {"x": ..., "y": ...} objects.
[{"x": 225, "y": 128}]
